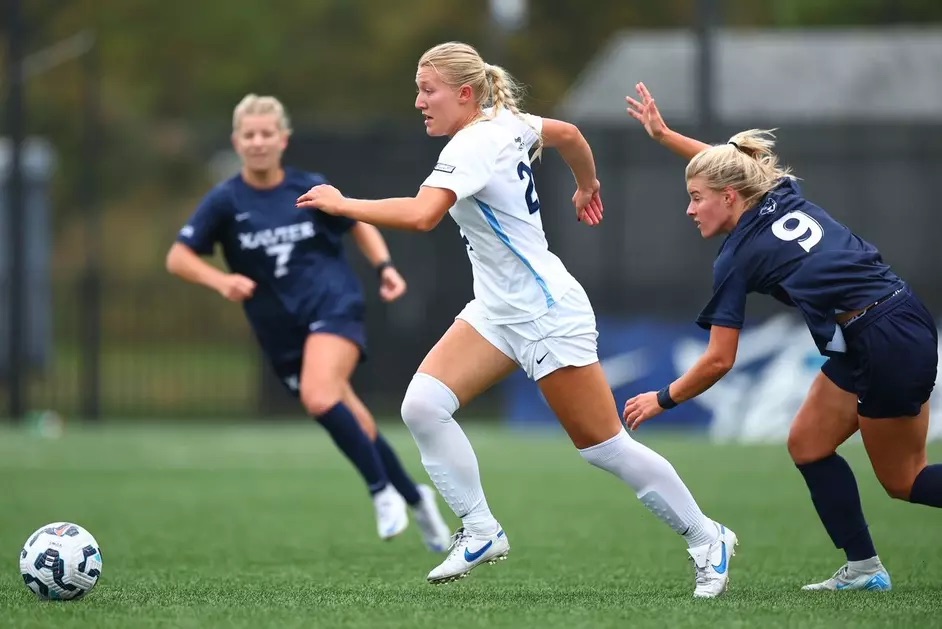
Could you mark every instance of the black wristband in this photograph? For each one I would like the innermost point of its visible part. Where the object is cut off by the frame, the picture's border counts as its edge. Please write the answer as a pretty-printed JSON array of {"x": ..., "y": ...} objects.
[
  {"x": 664, "y": 398},
  {"x": 382, "y": 266}
]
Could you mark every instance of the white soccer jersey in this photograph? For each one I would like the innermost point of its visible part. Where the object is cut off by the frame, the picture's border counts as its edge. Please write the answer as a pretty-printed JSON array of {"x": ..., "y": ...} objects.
[{"x": 487, "y": 166}]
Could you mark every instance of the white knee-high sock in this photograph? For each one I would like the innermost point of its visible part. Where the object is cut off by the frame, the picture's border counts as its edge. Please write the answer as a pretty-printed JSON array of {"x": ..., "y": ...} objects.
[
  {"x": 656, "y": 483},
  {"x": 447, "y": 455}
]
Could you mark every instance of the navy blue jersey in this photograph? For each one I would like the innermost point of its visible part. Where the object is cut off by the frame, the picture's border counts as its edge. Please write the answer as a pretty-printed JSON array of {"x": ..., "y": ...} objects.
[
  {"x": 791, "y": 249},
  {"x": 295, "y": 256}
]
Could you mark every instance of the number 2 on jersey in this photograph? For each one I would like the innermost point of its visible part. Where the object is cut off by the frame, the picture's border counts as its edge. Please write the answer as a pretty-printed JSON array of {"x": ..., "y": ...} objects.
[
  {"x": 281, "y": 253},
  {"x": 533, "y": 201},
  {"x": 798, "y": 226}
]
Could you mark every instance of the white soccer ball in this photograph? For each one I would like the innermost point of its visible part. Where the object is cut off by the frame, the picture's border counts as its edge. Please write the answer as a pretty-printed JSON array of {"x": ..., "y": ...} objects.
[{"x": 60, "y": 561}]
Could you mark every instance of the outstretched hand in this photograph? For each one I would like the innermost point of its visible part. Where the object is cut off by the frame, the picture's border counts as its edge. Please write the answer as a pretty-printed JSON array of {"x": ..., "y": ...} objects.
[
  {"x": 588, "y": 203},
  {"x": 646, "y": 112},
  {"x": 323, "y": 197},
  {"x": 640, "y": 409}
]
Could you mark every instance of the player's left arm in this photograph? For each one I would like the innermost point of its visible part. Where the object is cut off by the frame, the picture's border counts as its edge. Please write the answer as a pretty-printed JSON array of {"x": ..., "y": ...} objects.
[
  {"x": 373, "y": 247},
  {"x": 572, "y": 146},
  {"x": 715, "y": 363},
  {"x": 422, "y": 212},
  {"x": 371, "y": 243},
  {"x": 566, "y": 138}
]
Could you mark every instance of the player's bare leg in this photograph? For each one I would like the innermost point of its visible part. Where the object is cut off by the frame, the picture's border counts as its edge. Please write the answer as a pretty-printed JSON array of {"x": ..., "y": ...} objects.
[
  {"x": 329, "y": 361},
  {"x": 826, "y": 419},
  {"x": 897, "y": 451}
]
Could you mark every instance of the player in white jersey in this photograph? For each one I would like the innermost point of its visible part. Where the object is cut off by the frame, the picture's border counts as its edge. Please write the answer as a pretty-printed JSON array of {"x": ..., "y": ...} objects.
[{"x": 528, "y": 311}]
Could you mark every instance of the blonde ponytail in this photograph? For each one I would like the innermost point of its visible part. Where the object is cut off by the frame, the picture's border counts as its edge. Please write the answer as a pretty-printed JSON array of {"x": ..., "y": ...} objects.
[{"x": 745, "y": 163}]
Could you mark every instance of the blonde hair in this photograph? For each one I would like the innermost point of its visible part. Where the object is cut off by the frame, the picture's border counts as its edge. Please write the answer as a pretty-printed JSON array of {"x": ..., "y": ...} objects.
[
  {"x": 255, "y": 105},
  {"x": 461, "y": 64},
  {"x": 745, "y": 163}
]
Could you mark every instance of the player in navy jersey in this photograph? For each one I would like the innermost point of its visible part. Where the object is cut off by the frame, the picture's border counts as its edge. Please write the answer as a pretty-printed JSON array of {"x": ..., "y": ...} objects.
[
  {"x": 303, "y": 300},
  {"x": 880, "y": 340}
]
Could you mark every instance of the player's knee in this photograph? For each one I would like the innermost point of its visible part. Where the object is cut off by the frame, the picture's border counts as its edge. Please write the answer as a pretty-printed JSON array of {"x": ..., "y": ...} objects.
[
  {"x": 899, "y": 491},
  {"x": 897, "y": 486},
  {"x": 319, "y": 400},
  {"x": 796, "y": 447},
  {"x": 427, "y": 401},
  {"x": 802, "y": 447}
]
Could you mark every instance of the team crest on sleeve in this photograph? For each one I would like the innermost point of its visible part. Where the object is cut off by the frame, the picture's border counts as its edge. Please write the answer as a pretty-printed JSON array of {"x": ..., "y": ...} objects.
[
  {"x": 444, "y": 168},
  {"x": 768, "y": 207}
]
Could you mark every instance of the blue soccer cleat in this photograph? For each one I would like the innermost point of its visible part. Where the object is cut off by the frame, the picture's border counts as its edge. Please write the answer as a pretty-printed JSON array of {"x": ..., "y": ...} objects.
[{"x": 847, "y": 578}]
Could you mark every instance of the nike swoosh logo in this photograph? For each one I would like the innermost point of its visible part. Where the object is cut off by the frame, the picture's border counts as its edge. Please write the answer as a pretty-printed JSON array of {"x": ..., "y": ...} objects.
[
  {"x": 721, "y": 569},
  {"x": 627, "y": 367},
  {"x": 471, "y": 557},
  {"x": 541, "y": 359}
]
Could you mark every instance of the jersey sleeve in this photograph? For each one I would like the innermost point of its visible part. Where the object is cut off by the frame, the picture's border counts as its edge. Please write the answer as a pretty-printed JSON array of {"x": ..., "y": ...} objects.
[
  {"x": 727, "y": 307},
  {"x": 202, "y": 230},
  {"x": 465, "y": 165},
  {"x": 533, "y": 129}
]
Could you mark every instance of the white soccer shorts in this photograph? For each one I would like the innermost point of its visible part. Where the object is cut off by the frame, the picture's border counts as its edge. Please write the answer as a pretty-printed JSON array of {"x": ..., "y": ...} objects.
[{"x": 566, "y": 336}]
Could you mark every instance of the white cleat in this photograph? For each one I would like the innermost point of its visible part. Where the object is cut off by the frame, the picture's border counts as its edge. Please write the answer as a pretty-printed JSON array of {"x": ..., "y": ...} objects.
[
  {"x": 392, "y": 518},
  {"x": 847, "y": 578},
  {"x": 467, "y": 552},
  {"x": 435, "y": 532},
  {"x": 712, "y": 563}
]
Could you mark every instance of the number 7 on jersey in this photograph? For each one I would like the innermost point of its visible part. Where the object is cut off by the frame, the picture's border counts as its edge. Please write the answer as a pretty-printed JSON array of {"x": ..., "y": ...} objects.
[{"x": 281, "y": 253}]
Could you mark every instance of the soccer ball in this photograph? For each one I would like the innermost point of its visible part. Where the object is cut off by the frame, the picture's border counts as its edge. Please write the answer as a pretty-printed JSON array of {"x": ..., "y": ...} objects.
[{"x": 60, "y": 561}]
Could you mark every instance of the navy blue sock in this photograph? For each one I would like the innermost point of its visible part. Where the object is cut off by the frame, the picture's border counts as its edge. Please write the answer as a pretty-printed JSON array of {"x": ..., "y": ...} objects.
[
  {"x": 927, "y": 488},
  {"x": 397, "y": 474},
  {"x": 837, "y": 501},
  {"x": 353, "y": 442}
]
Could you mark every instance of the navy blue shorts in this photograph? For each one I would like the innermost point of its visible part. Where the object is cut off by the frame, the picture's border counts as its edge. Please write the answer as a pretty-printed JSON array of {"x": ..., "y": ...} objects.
[
  {"x": 891, "y": 359},
  {"x": 288, "y": 358}
]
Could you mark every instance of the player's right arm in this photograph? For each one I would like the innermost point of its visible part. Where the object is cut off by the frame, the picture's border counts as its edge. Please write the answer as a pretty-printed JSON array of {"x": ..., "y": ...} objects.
[
  {"x": 647, "y": 114},
  {"x": 723, "y": 316},
  {"x": 188, "y": 265},
  {"x": 197, "y": 238}
]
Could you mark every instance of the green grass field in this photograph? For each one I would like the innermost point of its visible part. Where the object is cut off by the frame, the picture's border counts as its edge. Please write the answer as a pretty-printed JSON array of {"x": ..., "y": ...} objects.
[{"x": 268, "y": 526}]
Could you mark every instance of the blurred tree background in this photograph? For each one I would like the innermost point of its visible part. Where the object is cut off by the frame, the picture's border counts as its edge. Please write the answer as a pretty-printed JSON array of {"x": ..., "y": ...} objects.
[{"x": 173, "y": 70}]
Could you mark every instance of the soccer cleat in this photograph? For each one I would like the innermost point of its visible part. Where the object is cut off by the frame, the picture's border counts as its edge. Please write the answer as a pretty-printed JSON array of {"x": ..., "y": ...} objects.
[
  {"x": 467, "y": 552},
  {"x": 847, "y": 578},
  {"x": 435, "y": 532},
  {"x": 392, "y": 518},
  {"x": 711, "y": 562}
]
